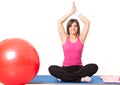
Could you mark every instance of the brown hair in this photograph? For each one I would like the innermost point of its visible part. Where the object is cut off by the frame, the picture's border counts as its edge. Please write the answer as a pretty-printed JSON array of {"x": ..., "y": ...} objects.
[{"x": 70, "y": 22}]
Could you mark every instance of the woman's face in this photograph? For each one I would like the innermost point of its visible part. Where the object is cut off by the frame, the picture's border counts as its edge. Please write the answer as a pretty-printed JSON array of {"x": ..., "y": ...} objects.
[{"x": 73, "y": 29}]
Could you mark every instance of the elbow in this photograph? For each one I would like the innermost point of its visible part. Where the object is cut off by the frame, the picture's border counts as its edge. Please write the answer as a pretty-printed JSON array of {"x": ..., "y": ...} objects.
[
  {"x": 59, "y": 21},
  {"x": 88, "y": 22}
]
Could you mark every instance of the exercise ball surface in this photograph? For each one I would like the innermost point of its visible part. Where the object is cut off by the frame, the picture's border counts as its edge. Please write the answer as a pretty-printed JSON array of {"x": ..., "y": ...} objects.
[{"x": 19, "y": 61}]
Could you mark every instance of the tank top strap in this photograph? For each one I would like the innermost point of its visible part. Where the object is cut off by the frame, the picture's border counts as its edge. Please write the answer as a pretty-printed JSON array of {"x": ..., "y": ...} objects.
[{"x": 67, "y": 39}]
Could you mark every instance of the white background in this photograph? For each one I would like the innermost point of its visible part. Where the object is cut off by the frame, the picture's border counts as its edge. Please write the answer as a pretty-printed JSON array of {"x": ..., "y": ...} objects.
[{"x": 36, "y": 22}]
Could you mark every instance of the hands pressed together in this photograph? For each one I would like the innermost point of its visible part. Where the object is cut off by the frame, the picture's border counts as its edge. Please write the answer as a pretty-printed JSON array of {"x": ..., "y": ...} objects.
[{"x": 73, "y": 8}]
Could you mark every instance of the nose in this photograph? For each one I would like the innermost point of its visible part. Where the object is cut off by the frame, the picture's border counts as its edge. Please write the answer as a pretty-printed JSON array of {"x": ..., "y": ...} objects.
[{"x": 72, "y": 26}]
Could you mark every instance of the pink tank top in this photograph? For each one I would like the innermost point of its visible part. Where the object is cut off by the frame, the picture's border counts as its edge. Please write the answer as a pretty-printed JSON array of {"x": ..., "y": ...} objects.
[{"x": 72, "y": 52}]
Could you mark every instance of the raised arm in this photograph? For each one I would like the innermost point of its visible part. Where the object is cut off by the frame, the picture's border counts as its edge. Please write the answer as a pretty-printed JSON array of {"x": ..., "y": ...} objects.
[
  {"x": 85, "y": 30},
  {"x": 60, "y": 22}
]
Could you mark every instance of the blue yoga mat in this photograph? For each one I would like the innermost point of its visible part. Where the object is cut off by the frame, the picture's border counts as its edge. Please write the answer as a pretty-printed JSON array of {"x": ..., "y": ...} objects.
[{"x": 50, "y": 79}]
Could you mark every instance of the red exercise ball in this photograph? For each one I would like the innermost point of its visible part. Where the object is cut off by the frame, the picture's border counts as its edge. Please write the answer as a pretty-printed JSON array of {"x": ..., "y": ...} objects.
[{"x": 19, "y": 62}]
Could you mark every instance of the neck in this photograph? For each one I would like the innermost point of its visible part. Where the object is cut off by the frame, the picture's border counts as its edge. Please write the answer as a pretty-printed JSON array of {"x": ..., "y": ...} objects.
[{"x": 73, "y": 36}]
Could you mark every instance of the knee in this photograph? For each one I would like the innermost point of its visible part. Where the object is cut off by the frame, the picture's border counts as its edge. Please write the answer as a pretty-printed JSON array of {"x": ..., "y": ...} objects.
[
  {"x": 95, "y": 67},
  {"x": 50, "y": 68}
]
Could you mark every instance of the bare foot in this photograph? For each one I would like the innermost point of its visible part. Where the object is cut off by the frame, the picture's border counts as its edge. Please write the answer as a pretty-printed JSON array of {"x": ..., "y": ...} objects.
[
  {"x": 59, "y": 80},
  {"x": 86, "y": 79}
]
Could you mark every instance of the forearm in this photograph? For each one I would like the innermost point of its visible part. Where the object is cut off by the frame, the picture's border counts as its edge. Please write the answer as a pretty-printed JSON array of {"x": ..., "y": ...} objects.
[
  {"x": 84, "y": 19},
  {"x": 63, "y": 19}
]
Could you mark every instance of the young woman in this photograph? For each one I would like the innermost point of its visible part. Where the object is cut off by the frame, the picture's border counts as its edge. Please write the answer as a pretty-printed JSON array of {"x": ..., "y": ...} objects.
[{"x": 73, "y": 42}]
